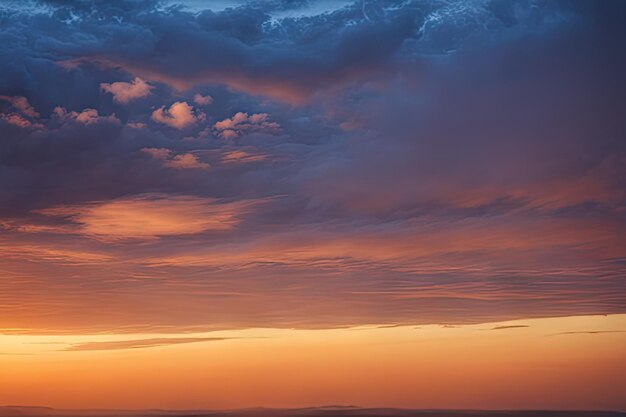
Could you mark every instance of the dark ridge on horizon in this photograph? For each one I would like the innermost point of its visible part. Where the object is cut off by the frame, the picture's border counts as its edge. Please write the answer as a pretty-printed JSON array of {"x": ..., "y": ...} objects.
[{"x": 324, "y": 411}]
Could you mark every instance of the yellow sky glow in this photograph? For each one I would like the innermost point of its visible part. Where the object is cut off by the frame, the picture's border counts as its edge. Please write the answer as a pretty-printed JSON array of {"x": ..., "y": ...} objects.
[{"x": 573, "y": 362}]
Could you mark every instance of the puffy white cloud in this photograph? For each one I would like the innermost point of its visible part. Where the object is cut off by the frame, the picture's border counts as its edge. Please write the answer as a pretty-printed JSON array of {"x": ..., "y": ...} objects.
[
  {"x": 179, "y": 115},
  {"x": 124, "y": 92},
  {"x": 242, "y": 123}
]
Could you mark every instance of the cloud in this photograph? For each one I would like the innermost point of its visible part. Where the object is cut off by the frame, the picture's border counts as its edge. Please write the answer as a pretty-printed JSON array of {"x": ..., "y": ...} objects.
[
  {"x": 180, "y": 161},
  {"x": 140, "y": 343},
  {"x": 186, "y": 161},
  {"x": 152, "y": 215},
  {"x": 515, "y": 326},
  {"x": 21, "y": 104},
  {"x": 242, "y": 157},
  {"x": 440, "y": 164},
  {"x": 242, "y": 123},
  {"x": 136, "y": 125},
  {"x": 179, "y": 115},
  {"x": 42, "y": 253},
  {"x": 24, "y": 112},
  {"x": 86, "y": 116},
  {"x": 201, "y": 100},
  {"x": 19, "y": 121},
  {"x": 124, "y": 92},
  {"x": 589, "y": 332}
]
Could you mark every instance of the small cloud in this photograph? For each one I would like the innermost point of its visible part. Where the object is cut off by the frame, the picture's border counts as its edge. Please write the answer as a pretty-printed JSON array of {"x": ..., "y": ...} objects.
[
  {"x": 86, "y": 117},
  {"x": 180, "y": 161},
  {"x": 589, "y": 332},
  {"x": 140, "y": 343},
  {"x": 19, "y": 121},
  {"x": 124, "y": 92},
  {"x": 46, "y": 253},
  {"x": 158, "y": 153},
  {"x": 21, "y": 104},
  {"x": 242, "y": 123},
  {"x": 241, "y": 157},
  {"x": 201, "y": 100},
  {"x": 186, "y": 161},
  {"x": 513, "y": 326},
  {"x": 136, "y": 125},
  {"x": 179, "y": 115}
]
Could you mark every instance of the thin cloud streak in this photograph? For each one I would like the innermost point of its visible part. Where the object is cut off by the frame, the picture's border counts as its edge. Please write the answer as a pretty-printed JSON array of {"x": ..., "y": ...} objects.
[{"x": 139, "y": 343}]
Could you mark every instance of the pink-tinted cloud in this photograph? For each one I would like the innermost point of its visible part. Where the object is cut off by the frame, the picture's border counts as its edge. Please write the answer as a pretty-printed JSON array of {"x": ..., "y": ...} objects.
[
  {"x": 180, "y": 161},
  {"x": 201, "y": 100},
  {"x": 124, "y": 92},
  {"x": 186, "y": 161},
  {"x": 152, "y": 215},
  {"x": 242, "y": 157},
  {"x": 32, "y": 252},
  {"x": 18, "y": 120},
  {"x": 86, "y": 116},
  {"x": 21, "y": 104},
  {"x": 179, "y": 115},
  {"x": 242, "y": 123}
]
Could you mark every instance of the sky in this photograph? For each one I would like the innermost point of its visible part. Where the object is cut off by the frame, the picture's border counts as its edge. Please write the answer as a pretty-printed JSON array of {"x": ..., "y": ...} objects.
[{"x": 305, "y": 197}]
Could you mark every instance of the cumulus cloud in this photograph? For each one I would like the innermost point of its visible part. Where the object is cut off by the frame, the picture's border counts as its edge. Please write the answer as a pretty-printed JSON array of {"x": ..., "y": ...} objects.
[
  {"x": 86, "y": 116},
  {"x": 242, "y": 123},
  {"x": 179, "y": 115},
  {"x": 201, "y": 100},
  {"x": 180, "y": 161},
  {"x": 124, "y": 92}
]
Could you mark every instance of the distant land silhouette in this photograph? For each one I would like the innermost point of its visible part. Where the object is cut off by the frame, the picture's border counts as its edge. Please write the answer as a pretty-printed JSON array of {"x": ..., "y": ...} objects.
[{"x": 330, "y": 411}]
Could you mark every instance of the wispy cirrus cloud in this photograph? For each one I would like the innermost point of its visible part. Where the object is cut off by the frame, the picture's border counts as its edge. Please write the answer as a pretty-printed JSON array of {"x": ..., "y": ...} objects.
[{"x": 139, "y": 343}]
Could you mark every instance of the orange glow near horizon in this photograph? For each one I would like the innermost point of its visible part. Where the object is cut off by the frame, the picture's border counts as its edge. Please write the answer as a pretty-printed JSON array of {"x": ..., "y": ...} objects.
[{"x": 564, "y": 363}]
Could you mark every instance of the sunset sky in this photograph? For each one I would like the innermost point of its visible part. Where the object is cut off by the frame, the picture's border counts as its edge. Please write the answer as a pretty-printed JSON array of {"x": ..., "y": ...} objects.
[{"x": 228, "y": 204}]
